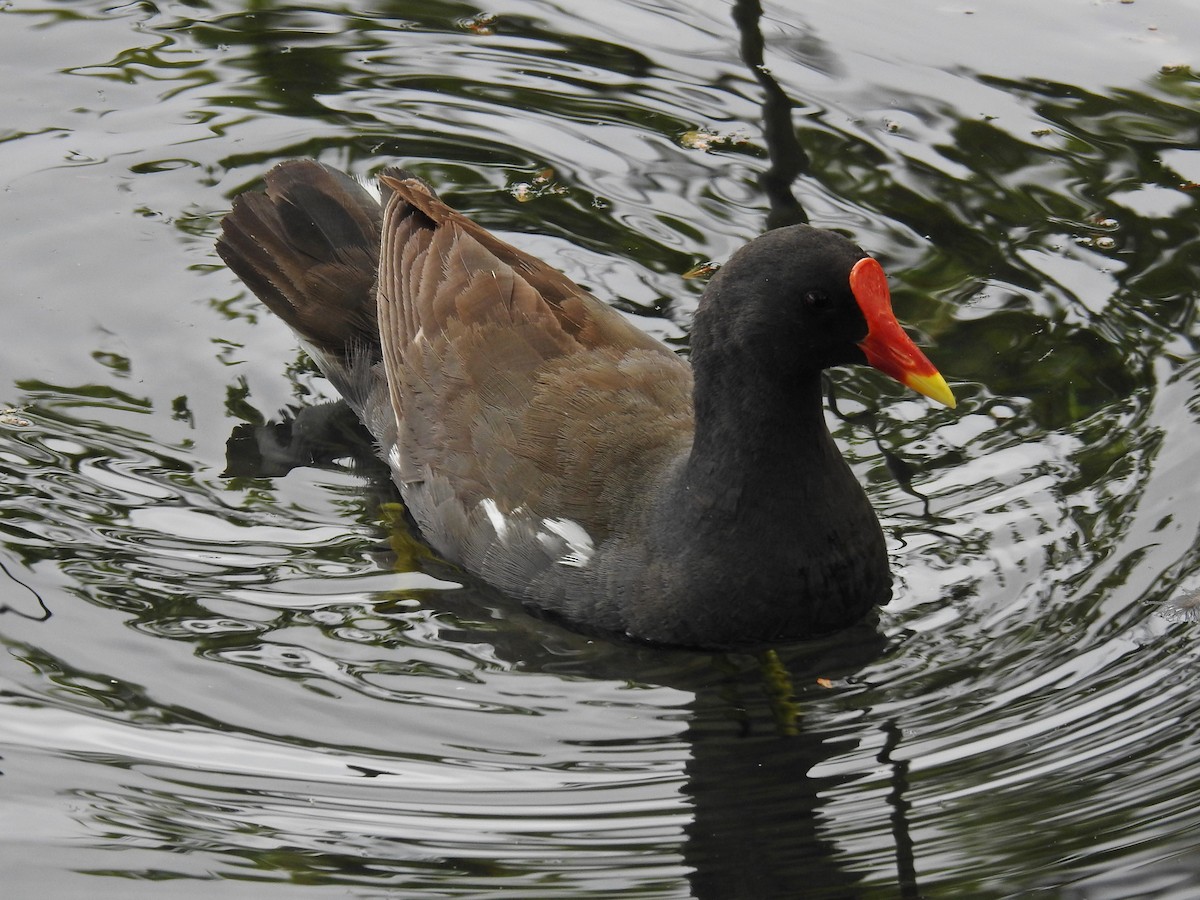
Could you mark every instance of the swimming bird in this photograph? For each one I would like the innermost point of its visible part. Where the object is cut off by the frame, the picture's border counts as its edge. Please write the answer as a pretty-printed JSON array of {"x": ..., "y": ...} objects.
[{"x": 548, "y": 446}]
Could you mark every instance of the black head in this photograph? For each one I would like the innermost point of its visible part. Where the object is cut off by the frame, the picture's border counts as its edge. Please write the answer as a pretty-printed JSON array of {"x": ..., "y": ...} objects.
[{"x": 784, "y": 302}]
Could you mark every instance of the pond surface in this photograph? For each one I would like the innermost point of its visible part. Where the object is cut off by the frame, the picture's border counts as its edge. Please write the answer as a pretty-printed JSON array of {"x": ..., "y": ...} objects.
[{"x": 231, "y": 670}]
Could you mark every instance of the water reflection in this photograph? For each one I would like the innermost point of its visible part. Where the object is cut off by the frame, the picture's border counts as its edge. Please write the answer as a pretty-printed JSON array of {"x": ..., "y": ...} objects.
[{"x": 753, "y": 827}]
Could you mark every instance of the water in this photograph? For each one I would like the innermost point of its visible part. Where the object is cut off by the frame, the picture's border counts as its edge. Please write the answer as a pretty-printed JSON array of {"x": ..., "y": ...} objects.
[{"x": 247, "y": 679}]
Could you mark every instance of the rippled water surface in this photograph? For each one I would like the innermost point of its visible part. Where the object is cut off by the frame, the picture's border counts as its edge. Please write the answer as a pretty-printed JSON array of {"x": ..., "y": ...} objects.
[{"x": 227, "y": 677}]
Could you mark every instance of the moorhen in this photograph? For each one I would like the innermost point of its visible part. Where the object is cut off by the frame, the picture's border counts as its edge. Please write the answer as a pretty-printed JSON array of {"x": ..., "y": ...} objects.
[{"x": 550, "y": 447}]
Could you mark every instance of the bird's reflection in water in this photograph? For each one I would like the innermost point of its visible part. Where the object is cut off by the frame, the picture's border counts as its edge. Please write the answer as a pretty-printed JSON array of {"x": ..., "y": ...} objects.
[{"x": 755, "y": 828}]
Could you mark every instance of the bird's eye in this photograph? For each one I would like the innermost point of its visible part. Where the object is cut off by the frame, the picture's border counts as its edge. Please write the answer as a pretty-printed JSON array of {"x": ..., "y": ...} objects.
[{"x": 818, "y": 300}]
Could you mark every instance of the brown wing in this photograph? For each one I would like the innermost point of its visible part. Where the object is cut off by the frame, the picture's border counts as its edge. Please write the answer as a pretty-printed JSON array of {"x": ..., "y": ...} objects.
[{"x": 511, "y": 383}]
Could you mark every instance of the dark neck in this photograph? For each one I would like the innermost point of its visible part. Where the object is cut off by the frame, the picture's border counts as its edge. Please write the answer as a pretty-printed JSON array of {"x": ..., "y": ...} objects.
[
  {"x": 758, "y": 444},
  {"x": 760, "y": 533},
  {"x": 769, "y": 535}
]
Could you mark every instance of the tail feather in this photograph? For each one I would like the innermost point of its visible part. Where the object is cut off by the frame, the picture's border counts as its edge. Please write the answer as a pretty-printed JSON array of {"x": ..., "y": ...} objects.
[{"x": 309, "y": 249}]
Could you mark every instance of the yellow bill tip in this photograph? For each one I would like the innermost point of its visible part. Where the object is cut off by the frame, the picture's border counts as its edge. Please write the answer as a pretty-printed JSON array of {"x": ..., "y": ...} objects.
[{"x": 932, "y": 386}]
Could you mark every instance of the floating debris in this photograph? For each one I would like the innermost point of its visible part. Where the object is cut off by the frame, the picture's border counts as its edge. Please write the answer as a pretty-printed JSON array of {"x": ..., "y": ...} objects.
[
  {"x": 13, "y": 419},
  {"x": 484, "y": 23},
  {"x": 1185, "y": 608},
  {"x": 701, "y": 270},
  {"x": 541, "y": 186},
  {"x": 703, "y": 139}
]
